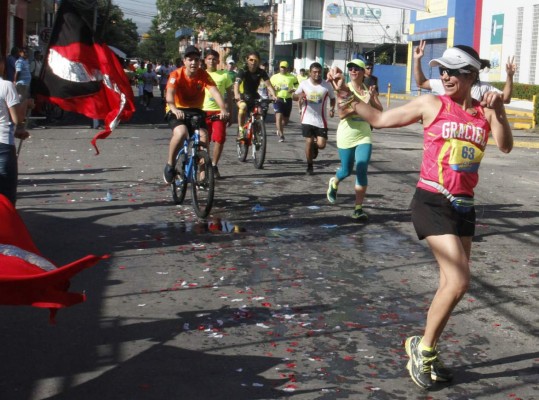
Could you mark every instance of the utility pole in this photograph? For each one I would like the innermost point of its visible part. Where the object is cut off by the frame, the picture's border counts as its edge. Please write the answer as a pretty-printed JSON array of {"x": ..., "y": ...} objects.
[
  {"x": 272, "y": 37},
  {"x": 349, "y": 41}
]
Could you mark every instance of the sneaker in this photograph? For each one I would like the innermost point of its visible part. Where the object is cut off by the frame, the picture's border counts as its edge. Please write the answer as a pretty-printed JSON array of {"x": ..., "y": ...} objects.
[
  {"x": 216, "y": 173},
  {"x": 314, "y": 149},
  {"x": 310, "y": 169},
  {"x": 439, "y": 372},
  {"x": 332, "y": 191},
  {"x": 281, "y": 137},
  {"x": 168, "y": 174},
  {"x": 420, "y": 363},
  {"x": 360, "y": 215}
]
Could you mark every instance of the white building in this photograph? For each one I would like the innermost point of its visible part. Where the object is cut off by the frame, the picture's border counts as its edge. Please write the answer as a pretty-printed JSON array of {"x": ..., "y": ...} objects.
[
  {"x": 333, "y": 31},
  {"x": 511, "y": 28}
]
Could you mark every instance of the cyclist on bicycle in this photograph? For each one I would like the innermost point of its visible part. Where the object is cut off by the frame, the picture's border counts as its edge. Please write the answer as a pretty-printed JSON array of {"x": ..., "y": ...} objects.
[
  {"x": 249, "y": 78},
  {"x": 185, "y": 92}
]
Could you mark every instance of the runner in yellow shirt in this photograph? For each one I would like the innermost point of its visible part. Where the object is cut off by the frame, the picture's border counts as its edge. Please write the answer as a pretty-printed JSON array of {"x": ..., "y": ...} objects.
[
  {"x": 217, "y": 128},
  {"x": 285, "y": 84}
]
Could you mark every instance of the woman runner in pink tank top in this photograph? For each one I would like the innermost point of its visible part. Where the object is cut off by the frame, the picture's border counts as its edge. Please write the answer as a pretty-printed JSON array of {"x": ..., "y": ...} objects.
[{"x": 456, "y": 130}]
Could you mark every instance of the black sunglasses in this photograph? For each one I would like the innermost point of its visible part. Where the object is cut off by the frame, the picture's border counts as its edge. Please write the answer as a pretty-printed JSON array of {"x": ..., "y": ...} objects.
[
  {"x": 453, "y": 72},
  {"x": 355, "y": 69}
]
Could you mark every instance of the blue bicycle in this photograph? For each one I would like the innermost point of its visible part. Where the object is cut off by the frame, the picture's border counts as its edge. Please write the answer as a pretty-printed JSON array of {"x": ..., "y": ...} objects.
[{"x": 193, "y": 165}]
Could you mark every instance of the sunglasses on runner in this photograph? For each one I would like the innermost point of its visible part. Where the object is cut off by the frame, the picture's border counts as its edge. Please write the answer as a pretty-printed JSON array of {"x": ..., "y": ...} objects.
[
  {"x": 453, "y": 72},
  {"x": 355, "y": 69}
]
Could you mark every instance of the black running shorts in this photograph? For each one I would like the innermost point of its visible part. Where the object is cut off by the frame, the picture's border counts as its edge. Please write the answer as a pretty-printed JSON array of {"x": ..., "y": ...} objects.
[
  {"x": 173, "y": 122},
  {"x": 433, "y": 215},
  {"x": 313, "y": 131}
]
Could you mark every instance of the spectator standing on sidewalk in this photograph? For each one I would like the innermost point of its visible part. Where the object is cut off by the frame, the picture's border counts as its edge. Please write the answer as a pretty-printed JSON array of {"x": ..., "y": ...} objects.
[
  {"x": 478, "y": 89},
  {"x": 370, "y": 79},
  {"x": 141, "y": 69},
  {"x": 35, "y": 70},
  {"x": 23, "y": 78},
  {"x": 10, "y": 109},
  {"x": 10, "y": 64},
  {"x": 149, "y": 78},
  {"x": 456, "y": 133},
  {"x": 164, "y": 72}
]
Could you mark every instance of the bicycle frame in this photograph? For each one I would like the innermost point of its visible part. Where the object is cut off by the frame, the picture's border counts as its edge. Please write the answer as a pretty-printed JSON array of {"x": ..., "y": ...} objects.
[
  {"x": 189, "y": 148},
  {"x": 193, "y": 165},
  {"x": 256, "y": 113},
  {"x": 255, "y": 134}
]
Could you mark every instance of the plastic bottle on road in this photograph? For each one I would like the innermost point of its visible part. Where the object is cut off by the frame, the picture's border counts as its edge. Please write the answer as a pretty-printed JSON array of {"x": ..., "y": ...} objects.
[{"x": 108, "y": 196}]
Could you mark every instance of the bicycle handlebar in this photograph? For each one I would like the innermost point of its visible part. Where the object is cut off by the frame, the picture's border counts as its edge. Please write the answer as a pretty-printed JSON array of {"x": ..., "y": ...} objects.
[{"x": 195, "y": 116}]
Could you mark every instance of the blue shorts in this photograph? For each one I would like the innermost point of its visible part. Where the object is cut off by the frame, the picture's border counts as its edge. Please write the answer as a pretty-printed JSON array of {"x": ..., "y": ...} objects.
[{"x": 283, "y": 106}]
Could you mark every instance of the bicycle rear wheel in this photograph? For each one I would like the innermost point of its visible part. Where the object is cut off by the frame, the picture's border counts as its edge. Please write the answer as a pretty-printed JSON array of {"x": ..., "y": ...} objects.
[
  {"x": 179, "y": 184},
  {"x": 259, "y": 143},
  {"x": 203, "y": 184}
]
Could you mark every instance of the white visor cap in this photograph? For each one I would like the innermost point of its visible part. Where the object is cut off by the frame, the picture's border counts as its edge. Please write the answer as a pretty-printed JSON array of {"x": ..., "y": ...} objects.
[{"x": 455, "y": 58}]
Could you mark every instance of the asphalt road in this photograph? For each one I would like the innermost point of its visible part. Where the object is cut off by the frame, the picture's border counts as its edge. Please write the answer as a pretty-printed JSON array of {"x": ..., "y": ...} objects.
[{"x": 278, "y": 294}]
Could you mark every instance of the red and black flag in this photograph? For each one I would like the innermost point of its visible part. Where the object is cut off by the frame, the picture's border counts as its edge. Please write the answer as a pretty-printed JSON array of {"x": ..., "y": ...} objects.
[
  {"x": 26, "y": 277},
  {"x": 83, "y": 76}
]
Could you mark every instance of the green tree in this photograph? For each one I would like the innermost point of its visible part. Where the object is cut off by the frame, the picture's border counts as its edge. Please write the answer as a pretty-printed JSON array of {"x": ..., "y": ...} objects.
[
  {"x": 158, "y": 44},
  {"x": 109, "y": 24},
  {"x": 119, "y": 32},
  {"x": 223, "y": 20}
]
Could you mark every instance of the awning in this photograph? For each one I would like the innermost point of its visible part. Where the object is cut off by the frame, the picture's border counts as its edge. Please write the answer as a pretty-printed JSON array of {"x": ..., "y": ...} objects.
[{"x": 118, "y": 52}]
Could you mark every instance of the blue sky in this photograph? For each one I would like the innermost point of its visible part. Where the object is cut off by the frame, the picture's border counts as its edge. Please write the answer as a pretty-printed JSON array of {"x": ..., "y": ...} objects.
[{"x": 140, "y": 11}]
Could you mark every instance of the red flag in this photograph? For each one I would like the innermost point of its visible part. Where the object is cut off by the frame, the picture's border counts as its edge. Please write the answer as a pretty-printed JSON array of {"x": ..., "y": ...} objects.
[
  {"x": 26, "y": 277},
  {"x": 83, "y": 76}
]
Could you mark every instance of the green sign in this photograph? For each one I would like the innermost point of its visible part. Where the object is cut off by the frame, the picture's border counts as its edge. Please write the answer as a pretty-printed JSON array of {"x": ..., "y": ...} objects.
[{"x": 496, "y": 31}]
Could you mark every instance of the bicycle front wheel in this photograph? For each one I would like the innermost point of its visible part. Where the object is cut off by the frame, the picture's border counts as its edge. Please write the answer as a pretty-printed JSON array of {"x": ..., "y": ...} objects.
[
  {"x": 179, "y": 184},
  {"x": 203, "y": 184},
  {"x": 259, "y": 143},
  {"x": 242, "y": 148}
]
